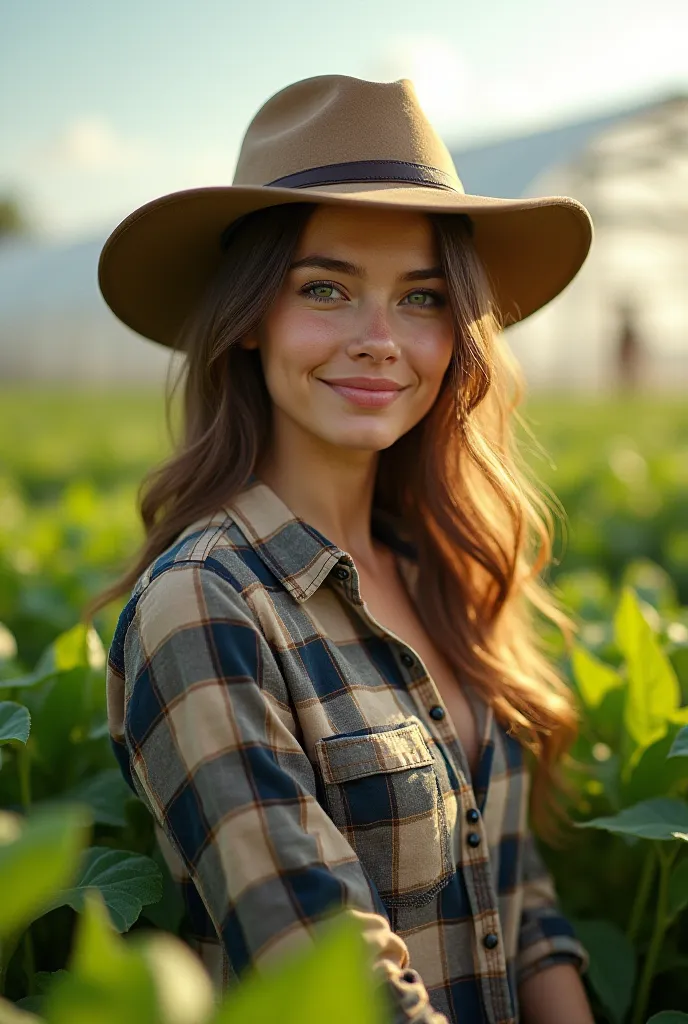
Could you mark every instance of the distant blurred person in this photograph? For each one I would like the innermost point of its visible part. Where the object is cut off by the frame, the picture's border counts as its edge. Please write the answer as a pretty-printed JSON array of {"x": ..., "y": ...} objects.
[
  {"x": 326, "y": 685},
  {"x": 629, "y": 351}
]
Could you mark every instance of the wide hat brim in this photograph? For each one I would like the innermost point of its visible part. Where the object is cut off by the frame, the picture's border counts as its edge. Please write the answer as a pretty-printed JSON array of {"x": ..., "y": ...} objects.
[{"x": 157, "y": 263}]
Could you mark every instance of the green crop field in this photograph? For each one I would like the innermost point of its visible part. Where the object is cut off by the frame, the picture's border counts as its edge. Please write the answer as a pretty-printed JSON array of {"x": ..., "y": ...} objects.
[{"x": 70, "y": 464}]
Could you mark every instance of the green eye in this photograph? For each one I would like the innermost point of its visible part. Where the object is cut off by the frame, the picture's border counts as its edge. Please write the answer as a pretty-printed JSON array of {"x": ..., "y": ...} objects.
[
  {"x": 322, "y": 291},
  {"x": 418, "y": 298}
]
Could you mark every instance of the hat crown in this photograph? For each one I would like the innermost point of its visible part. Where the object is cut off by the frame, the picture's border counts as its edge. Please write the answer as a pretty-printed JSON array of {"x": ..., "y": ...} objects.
[{"x": 337, "y": 119}]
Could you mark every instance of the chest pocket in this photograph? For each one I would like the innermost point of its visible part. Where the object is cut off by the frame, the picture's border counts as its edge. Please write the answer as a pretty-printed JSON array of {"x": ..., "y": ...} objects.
[{"x": 383, "y": 794}]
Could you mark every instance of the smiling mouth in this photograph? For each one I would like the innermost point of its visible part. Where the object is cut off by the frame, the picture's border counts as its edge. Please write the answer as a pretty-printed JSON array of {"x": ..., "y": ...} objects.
[{"x": 369, "y": 394}]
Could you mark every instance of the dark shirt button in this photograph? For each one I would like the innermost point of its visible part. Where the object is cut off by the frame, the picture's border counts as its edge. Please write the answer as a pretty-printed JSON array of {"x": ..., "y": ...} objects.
[
  {"x": 437, "y": 713},
  {"x": 410, "y": 976},
  {"x": 473, "y": 839},
  {"x": 408, "y": 660},
  {"x": 473, "y": 816},
  {"x": 341, "y": 573},
  {"x": 490, "y": 941}
]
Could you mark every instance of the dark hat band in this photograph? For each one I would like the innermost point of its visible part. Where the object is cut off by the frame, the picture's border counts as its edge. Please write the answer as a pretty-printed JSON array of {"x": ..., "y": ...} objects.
[
  {"x": 400, "y": 171},
  {"x": 367, "y": 170}
]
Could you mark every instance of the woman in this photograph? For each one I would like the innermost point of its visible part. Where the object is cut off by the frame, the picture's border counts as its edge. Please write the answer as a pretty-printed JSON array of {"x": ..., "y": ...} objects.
[{"x": 326, "y": 685}]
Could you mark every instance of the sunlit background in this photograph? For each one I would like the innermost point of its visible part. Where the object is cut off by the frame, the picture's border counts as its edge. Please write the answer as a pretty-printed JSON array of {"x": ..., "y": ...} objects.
[{"x": 106, "y": 106}]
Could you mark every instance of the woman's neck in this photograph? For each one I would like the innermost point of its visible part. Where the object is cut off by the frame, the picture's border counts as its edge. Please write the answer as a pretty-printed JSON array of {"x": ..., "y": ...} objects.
[{"x": 329, "y": 488}]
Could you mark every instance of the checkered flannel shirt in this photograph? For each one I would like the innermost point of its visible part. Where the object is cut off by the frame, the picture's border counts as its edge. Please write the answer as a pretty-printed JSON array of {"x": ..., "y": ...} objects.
[{"x": 295, "y": 756}]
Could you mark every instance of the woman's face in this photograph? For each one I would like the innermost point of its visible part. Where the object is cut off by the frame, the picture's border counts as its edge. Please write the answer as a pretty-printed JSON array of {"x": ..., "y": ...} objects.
[{"x": 357, "y": 342}]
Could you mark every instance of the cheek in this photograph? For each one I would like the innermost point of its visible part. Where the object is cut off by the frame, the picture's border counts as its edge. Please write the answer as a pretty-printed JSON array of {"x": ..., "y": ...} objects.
[
  {"x": 432, "y": 355},
  {"x": 297, "y": 342}
]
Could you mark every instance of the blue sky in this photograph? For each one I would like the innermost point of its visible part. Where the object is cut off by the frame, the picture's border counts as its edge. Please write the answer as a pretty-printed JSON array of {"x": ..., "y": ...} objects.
[{"x": 105, "y": 105}]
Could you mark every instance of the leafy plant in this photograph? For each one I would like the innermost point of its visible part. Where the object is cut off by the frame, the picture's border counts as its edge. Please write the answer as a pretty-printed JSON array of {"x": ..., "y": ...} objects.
[
  {"x": 154, "y": 978},
  {"x": 68, "y": 524},
  {"x": 632, "y": 771}
]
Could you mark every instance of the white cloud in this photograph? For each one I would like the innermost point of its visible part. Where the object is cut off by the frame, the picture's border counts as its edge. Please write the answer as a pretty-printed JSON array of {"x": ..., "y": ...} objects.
[
  {"x": 89, "y": 143},
  {"x": 212, "y": 164}
]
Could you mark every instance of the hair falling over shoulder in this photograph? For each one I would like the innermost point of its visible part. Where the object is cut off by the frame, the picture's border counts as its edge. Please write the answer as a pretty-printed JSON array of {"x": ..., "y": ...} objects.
[{"x": 483, "y": 527}]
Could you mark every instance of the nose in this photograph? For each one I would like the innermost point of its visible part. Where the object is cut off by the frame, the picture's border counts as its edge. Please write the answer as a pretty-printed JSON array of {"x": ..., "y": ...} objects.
[{"x": 375, "y": 340}]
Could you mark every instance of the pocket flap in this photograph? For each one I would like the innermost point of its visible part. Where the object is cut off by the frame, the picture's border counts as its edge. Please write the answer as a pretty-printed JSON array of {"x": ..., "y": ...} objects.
[{"x": 353, "y": 757}]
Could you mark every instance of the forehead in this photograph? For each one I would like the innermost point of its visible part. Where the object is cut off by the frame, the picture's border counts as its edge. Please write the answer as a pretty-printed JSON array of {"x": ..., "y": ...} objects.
[{"x": 354, "y": 230}]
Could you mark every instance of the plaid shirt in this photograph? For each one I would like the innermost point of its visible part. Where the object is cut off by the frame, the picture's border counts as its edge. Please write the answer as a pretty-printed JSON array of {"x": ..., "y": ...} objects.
[{"x": 297, "y": 757}]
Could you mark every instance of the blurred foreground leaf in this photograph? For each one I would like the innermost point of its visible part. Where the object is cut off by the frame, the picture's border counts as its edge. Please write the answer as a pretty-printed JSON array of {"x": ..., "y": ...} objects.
[
  {"x": 332, "y": 981},
  {"x": 41, "y": 856},
  {"x": 107, "y": 982}
]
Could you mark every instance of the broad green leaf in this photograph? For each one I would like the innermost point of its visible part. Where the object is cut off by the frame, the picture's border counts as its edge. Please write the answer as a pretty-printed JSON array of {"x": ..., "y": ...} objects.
[
  {"x": 79, "y": 647},
  {"x": 168, "y": 913},
  {"x": 680, "y": 745},
  {"x": 669, "y": 1017},
  {"x": 64, "y": 714},
  {"x": 38, "y": 857},
  {"x": 607, "y": 720},
  {"x": 593, "y": 678},
  {"x": 106, "y": 794},
  {"x": 678, "y": 888},
  {"x": 653, "y": 689},
  {"x": 612, "y": 965},
  {"x": 15, "y": 722},
  {"x": 332, "y": 981},
  {"x": 663, "y": 818},
  {"x": 126, "y": 881},
  {"x": 108, "y": 981},
  {"x": 654, "y": 774},
  {"x": 26, "y": 682}
]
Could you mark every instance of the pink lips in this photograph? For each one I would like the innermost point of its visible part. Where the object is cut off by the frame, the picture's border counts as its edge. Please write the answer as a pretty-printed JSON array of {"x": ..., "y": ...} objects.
[{"x": 370, "y": 392}]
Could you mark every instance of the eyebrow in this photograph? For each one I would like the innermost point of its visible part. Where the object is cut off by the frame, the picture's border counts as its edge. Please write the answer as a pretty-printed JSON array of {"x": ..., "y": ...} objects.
[{"x": 317, "y": 262}]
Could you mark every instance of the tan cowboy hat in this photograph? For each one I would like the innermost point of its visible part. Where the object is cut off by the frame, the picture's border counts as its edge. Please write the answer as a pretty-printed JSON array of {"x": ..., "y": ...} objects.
[{"x": 336, "y": 140}]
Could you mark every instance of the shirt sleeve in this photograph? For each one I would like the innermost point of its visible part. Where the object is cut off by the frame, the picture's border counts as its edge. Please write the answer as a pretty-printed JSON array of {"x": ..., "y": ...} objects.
[
  {"x": 546, "y": 938},
  {"x": 213, "y": 751}
]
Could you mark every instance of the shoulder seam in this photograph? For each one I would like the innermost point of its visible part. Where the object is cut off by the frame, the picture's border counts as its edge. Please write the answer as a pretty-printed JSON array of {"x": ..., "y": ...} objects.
[
  {"x": 201, "y": 563},
  {"x": 128, "y": 613}
]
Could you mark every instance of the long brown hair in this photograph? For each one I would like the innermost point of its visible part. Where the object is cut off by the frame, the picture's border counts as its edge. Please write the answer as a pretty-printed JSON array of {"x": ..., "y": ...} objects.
[{"x": 483, "y": 528}]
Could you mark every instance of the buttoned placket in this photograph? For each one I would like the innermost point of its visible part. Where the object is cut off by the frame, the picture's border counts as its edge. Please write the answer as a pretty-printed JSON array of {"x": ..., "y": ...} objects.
[{"x": 473, "y": 856}]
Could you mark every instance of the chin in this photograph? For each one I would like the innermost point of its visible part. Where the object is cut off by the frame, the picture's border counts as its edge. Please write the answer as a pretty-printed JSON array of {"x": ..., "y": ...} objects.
[{"x": 364, "y": 439}]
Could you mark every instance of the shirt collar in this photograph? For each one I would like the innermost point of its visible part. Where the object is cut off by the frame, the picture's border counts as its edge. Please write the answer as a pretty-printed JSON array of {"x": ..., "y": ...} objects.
[{"x": 294, "y": 551}]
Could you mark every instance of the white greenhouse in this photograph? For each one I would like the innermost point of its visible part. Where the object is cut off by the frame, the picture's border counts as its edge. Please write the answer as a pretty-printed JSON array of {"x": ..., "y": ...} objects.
[{"x": 623, "y": 322}]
